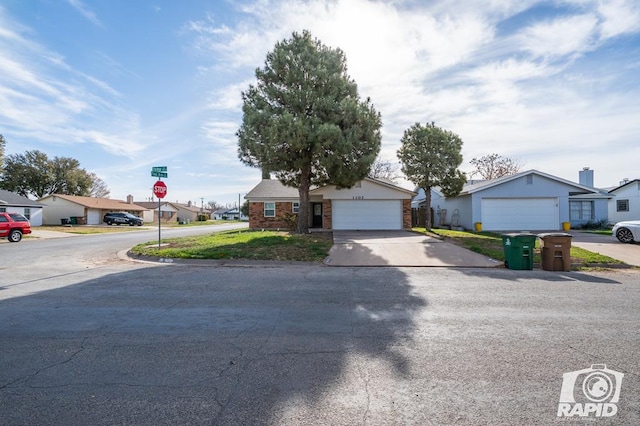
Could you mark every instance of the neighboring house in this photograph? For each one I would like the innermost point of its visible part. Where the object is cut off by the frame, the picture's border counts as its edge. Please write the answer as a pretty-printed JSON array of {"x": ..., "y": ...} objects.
[
  {"x": 530, "y": 200},
  {"x": 168, "y": 211},
  {"x": 228, "y": 214},
  {"x": 626, "y": 204},
  {"x": 188, "y": 212},
  {"x": 84, "y": 210},
  {"x": 369, "y": 204},
  {"x": 11, "y": 202}
]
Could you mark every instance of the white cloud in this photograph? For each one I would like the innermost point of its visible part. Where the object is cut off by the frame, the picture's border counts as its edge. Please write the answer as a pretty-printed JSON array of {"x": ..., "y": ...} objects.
[
  {"x": 619, "y": 17},
  {"x": 84, "y": 11},
  {"x": 563, "y": 36},
  {"x": 514, "y": 92}
]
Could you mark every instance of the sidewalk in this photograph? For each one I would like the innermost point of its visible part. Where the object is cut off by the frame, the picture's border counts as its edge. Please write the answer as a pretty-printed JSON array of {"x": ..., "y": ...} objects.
[
  {"x": 607, "y": 245},
  {"x": 39, "y": 233}
]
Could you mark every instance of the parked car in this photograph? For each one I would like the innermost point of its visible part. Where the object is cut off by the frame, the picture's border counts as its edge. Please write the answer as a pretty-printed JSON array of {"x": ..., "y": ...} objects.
[
  {"x": 627, "y": 232},
  {"x": 13, "y": 226},
  {"x": 123, "y": 218}
]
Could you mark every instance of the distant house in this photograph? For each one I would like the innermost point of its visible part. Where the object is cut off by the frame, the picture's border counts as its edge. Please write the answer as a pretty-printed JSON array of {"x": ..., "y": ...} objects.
[
  {"x": 228, "y": 214},
  {"x": 168, "y": 211},
  {"x": 188, "y": 211},
  {"x": 84, "y": 210},
  {"x": 370, "y": 204},
  {"x": 11, "y": 202},
  {"x": 530, "y": 200},
  {"x": 626, "y": 202}
]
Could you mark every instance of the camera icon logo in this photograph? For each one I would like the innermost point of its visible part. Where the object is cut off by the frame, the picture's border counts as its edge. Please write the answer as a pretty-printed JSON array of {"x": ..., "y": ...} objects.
[{"x": 592, "y": 391}]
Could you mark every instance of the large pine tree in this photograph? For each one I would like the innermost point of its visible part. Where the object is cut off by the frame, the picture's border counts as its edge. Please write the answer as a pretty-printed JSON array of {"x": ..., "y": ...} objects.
[{"x": 305, "y": 122}]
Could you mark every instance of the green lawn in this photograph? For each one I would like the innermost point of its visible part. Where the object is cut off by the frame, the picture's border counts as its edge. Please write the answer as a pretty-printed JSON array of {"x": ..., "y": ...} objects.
[
  {"x": 242, "y": 244},
  {"x": 490, "y": 244}
]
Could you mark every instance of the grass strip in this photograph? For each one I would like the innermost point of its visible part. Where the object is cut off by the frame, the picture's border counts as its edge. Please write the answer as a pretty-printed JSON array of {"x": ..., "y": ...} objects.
[{"x": 242, "y": 244}]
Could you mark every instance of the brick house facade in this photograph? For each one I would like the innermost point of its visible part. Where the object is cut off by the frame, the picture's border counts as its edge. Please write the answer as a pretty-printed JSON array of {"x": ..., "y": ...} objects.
[{"x": 367, "y": 193}]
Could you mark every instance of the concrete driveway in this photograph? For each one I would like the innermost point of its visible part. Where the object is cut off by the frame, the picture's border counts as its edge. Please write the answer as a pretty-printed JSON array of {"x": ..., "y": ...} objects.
[
  {"x": 400, "y": 248},
  {"x": 608, "y": 246}
]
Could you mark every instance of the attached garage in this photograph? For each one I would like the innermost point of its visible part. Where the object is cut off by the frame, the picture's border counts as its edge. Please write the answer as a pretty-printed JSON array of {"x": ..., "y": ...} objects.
[
  {"x": 367, "y": 214},
  {"x": 520, "y": 214}
]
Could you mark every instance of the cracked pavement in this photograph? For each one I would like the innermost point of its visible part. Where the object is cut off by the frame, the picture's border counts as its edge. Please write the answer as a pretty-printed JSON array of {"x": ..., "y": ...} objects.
[{"x": 165, "y": 344}]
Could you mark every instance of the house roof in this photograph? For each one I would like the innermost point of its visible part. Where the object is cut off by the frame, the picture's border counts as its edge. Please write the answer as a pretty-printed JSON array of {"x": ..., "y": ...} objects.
[
  {"x": 272, "y": 188},
  {"x": 152, "y": 204},
  {"x": 98, "y": 203},
  {"x": 192, "y": 208},
  {"x": 8, "y": 198},
  {"x": 480, "y": 186},
  {"x": 623, "y": 185}
]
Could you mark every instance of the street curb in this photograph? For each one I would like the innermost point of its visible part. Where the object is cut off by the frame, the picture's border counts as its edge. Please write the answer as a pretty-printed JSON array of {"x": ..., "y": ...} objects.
[{"x": 235, "y": 263}]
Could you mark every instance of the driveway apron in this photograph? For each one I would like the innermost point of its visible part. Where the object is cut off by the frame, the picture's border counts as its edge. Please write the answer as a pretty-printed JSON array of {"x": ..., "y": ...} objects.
[
  {"x": 400, "y": 248},
  {"x": 608, "y": 246}
]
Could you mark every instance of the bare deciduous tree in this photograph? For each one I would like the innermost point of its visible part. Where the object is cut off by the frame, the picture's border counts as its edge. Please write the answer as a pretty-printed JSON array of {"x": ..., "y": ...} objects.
[
  {"x": 382, "y": 169},
  {"x": 495, "y": 166}
]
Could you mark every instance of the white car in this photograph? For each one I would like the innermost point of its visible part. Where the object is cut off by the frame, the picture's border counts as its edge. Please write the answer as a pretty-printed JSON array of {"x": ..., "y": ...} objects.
[{"x": 627, "y": 232}]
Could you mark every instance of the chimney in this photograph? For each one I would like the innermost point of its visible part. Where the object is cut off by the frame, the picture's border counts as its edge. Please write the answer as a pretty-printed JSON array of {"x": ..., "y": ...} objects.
[
  {"x": 129, "y": 199},
  {"x": 189, "y": 203},
  {"x": 585, "y": 177},
  {"x": 624, "y": 181}
]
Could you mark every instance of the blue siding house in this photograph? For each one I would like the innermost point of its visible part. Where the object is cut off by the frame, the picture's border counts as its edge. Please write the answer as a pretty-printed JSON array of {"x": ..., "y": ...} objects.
[{"x": 526, "y": 201}]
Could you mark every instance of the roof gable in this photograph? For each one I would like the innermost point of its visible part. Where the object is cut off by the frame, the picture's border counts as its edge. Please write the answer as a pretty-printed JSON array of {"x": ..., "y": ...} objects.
[
  {"x": 624, "y": 185},
  {"x": 481, "y": 186},
  {"x": 272, "y": 189}
]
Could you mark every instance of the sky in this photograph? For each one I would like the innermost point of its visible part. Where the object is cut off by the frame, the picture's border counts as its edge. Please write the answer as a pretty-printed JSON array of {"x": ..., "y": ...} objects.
[{"x": 123, "y": 86}]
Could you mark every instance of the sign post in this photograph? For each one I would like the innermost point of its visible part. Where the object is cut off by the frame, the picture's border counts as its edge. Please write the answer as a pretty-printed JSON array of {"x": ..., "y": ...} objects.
[{"x": 159, "y": 190}]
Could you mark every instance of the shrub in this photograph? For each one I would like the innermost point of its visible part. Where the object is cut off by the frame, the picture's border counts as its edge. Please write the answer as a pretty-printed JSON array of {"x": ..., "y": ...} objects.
[{"x": 202, "y": 218}]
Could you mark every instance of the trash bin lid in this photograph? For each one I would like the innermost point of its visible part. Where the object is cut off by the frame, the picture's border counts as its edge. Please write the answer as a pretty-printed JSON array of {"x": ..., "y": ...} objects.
[
  {"x": 555, "y": 234},
  {"x": 519, "y": 234}
]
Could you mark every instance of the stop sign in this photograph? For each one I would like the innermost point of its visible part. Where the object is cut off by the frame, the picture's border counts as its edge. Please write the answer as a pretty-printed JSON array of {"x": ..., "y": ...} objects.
[{"x": 159, "y": 189}]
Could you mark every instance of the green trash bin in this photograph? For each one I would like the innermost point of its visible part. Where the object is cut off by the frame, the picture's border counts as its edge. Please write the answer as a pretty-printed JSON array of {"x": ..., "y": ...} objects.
[
  {"x": 518, "y": 250},
  {"x": 73, "y": 220}
]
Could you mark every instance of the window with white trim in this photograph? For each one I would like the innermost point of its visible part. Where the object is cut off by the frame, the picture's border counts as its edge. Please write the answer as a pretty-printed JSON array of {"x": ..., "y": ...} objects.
[
  {"x": 622, "y": 205},
  {"x": 27, "y": 213},
  {"x": 295, "y": 207},
  {"x": 270, "y": 209},
  {"x": 581, "y": 210}
]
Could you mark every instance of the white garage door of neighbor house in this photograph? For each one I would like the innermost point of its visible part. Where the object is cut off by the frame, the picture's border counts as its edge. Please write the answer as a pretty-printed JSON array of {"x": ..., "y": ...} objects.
[
  {"x": 366, "y": 214},
  {"x": 93, "y": 217},
  {"x": 520, "y": 214}
]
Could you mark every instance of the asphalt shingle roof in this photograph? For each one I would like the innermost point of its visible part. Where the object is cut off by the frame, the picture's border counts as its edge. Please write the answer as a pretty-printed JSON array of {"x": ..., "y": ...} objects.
[{"x": 13, "y": 199}]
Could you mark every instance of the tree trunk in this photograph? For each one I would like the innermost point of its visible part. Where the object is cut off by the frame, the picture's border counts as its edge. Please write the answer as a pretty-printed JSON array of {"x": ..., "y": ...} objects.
[
  {"x": 303, "y": 192},
  {"x": 427, "y": 199}
]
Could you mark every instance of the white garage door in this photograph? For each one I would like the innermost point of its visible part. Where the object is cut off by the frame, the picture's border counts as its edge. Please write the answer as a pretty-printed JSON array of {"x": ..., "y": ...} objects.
[
  {"x": 520, "y": 214},
  {"x": 93, "y": 217},
  {"x": 367, "y": 214}
]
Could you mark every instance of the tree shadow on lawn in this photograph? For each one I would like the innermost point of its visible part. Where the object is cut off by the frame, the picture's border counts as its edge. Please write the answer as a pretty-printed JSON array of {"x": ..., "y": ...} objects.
[{"x": 169, "y": 344}]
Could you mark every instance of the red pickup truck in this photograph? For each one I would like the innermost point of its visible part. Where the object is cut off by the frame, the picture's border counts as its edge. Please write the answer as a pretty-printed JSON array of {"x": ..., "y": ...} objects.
[{"x": 13, "y": 226}]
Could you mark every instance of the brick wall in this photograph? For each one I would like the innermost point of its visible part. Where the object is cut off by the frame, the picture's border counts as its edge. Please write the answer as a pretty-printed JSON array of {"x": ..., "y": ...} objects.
[
  {"x": 327, "y": 218},
  {"x": 406, "y": 214},
  {"x": 258, "y": 221}
]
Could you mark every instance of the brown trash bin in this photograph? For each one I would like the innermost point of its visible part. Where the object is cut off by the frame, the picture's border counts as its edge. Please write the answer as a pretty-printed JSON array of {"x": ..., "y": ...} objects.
[{"x": 556, "y": 251}]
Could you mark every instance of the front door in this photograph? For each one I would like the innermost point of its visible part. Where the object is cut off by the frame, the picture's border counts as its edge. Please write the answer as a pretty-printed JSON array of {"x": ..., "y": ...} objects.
[{"x": 316, "y": 215}]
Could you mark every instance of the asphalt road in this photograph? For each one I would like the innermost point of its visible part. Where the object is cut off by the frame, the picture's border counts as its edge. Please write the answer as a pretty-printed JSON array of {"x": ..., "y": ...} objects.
[{"x": 106, "y": 341}]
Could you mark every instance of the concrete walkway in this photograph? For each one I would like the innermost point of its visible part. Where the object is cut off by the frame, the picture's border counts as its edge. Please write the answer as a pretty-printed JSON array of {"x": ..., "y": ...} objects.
[
  {"x": 400, "y": 248},
  {"x": 608, "y": 246},
  {"x": 39, "y": 233}
]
